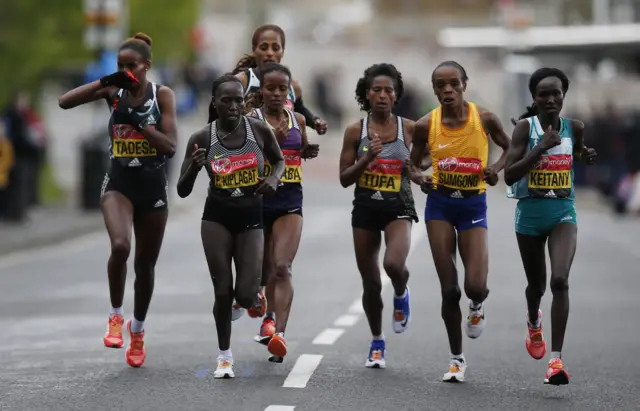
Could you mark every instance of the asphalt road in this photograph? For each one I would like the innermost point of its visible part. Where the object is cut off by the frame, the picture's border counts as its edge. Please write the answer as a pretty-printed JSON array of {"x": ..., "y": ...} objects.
[{"x": 54, "y": 306}]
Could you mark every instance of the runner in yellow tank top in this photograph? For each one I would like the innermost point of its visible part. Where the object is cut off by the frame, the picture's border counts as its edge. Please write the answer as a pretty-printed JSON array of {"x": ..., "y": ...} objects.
[{"x": 456, "y": 135}]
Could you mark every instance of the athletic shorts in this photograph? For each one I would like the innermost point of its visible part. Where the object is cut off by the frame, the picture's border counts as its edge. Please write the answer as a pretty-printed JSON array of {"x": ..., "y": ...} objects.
[
  {"x": 377, "y": 220},
  {"x": 234, "y": 215},
  {"x": 539, "y": 216},
  {"x": 147, "y": 189},
  {"x": 462, "y": 213},
  {"x": 269, "y": 216}
]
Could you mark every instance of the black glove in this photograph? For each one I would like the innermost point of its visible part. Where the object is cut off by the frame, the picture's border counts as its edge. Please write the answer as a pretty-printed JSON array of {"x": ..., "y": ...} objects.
[{"x": 120, "y": 79}]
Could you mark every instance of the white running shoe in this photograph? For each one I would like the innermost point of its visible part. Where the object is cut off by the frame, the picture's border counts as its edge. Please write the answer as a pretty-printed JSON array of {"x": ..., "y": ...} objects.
[
  {"x": 456, "y": 371},
  {"x": 225, "y": 368},
  {"x": 475, "y": 322},
  {"x": 236, "y": 311}
]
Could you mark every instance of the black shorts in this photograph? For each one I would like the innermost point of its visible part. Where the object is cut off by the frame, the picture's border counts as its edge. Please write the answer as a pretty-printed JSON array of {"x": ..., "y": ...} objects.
[
  {"x": 377, "y": 220},
  {"x": 147, "y": 189},
  {"x": 269, "y": 216},
  {"x": 236, "y": 216}
]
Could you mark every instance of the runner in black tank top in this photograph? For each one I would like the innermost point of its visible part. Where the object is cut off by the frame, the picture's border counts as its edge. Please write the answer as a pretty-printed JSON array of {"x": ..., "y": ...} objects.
[
  {"x": 375, "y": 157},
  {"x": 142, "y": 132},
  {"x": 231, "y": 150},
  {"x": 267, "y": 45}
]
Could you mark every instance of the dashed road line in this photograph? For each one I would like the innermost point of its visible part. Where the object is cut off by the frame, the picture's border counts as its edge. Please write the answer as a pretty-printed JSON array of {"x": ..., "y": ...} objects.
[
  {"x": 328, "y": 336},
  {"x": 302, "y": 371},
  {"x": 280, "y": 408}
]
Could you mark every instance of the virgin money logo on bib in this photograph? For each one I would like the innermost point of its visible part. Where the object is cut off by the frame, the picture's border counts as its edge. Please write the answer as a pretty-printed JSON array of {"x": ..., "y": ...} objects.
[
  {"x": 222, "y": 166},
  {"x": 460, "y": 165}
]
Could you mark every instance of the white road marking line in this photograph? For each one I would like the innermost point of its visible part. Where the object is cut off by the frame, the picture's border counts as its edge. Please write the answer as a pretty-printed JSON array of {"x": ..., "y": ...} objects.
[
  {"x": 347, "y": 320},
  {"x": 280, "y": 408},
  {"x": 302, "y": 371},
  {"x": 356, "y": 307},
  {"x": 328, "y": 336}
]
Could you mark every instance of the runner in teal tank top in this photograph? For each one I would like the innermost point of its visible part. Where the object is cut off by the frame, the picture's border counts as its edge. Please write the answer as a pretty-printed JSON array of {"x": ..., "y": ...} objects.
[{"x": 539, "y": 171}]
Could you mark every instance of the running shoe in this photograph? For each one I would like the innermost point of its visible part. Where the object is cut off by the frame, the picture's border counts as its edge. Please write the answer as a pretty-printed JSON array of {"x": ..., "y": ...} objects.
[
  {"x": 376, "y": 355},
  {"x": 456, "y": 371},
  {"x": 224, "y": 369},
  {"x": 259, "y": 309},
  {"x": 113, "y": 336},
  {"x": 401, "y": 313},
  {"x": 475, "y": 322},
  {"x": 556, "y": 373},
  {"x": 267, "y": 329},
  {"x": 535, "y": 343},
  {"x": 277, "y": 345},
  {"x": 236, "y": 311},
  {"x": 136, "y": 352}
]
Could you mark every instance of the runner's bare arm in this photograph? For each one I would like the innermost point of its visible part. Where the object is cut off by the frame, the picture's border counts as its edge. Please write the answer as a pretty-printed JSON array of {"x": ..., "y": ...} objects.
[
  {"x": 167, "y": 140},
  {"x": 309, "y": 151},
  {"x": 420, "y": 157},
  {"x": 270, "y": 147},
  {"x": 414, "y": 172},
  {"x": 85, "y": 94},
  {"x": 494, "y": 128},
  {"x": 350, "y": 169},
  {"x": 581, "y": 152},
  {"x": 189, "y": 169},
  {"x": 517, "y": 163}
]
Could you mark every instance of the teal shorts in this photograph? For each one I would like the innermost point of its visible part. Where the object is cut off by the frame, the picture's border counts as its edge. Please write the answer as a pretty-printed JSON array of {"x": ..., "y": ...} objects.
[{"x": 539, "y": 216}]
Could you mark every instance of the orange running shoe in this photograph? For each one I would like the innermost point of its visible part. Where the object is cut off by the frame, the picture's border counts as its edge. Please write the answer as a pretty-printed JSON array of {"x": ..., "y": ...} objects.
[
  {"x": 535, "y": 343},
  {"x": 556, "y": 373},
  {"x": 277, "y": 345},
  {"x": 267, "y": 329},
  {"x": 259, "y": 309},
  {"x": 113, "y": 336},
  {"x": 136, "y": 353}
]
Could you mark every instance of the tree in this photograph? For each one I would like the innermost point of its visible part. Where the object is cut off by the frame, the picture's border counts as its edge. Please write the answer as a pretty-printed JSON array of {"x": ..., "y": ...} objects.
[{"x": 38, "y": 36}]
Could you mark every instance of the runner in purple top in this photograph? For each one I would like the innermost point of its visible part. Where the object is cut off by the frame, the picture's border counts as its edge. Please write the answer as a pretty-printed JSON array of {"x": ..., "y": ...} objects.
[{"x": 282, "y": 212}]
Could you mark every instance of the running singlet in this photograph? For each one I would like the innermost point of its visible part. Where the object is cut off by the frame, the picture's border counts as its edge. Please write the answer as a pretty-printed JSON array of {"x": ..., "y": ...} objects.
[
  {"x": 552, "y": 176},
  {"x": 127, "y": 146},
  {"x": 289, "y": 193},
  {"x": 459, "y": 155},
  {"x": 253, "y": 85},
  {"x": 234, "y": 172},
  {"x": 385, "y": 183}
]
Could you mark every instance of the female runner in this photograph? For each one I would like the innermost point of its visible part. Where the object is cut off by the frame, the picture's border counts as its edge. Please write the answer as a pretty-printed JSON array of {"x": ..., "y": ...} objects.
[
  {"x": 231, "y": 150},
  {"x": 456, "y": 136},
  {"x": 142, "y": 131},
  {"x": 539, "y": 169}
]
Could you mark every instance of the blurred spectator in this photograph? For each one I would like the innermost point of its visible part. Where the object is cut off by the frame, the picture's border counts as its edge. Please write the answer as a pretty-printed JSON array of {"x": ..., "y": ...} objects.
[
  {"x": 410, "y": 105},
  {"x": 326, "y": 96},
  {"x": 26, "y": 132},
  {"x": 6, "y": 164}
]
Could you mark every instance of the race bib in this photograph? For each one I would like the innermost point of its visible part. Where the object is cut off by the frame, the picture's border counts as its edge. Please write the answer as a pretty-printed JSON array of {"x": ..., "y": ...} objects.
[
  {"x": 460, "y": 173},
  {"x": 235, "y": 171},
  {"x": 382, "y": 175},
  {"x": 128, "y": 142},
  {"x": 552, "y": 172},
  {"x": 292, "y": 167}
]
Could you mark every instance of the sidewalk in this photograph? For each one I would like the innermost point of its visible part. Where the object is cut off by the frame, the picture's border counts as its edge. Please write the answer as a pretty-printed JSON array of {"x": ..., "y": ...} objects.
[{"x": 50, "y": 225}]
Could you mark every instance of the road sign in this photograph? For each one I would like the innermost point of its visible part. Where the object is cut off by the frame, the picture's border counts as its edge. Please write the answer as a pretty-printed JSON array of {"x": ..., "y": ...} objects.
[{"x": 105, "y": 22}]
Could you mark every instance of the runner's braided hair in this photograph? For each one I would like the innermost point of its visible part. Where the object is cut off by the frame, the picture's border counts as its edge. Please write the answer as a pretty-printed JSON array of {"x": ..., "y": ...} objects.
[
  {"x": 364, "y": 83},
  {"x": 534, "y": 80},
  {"x": 225, "y": 78}
]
